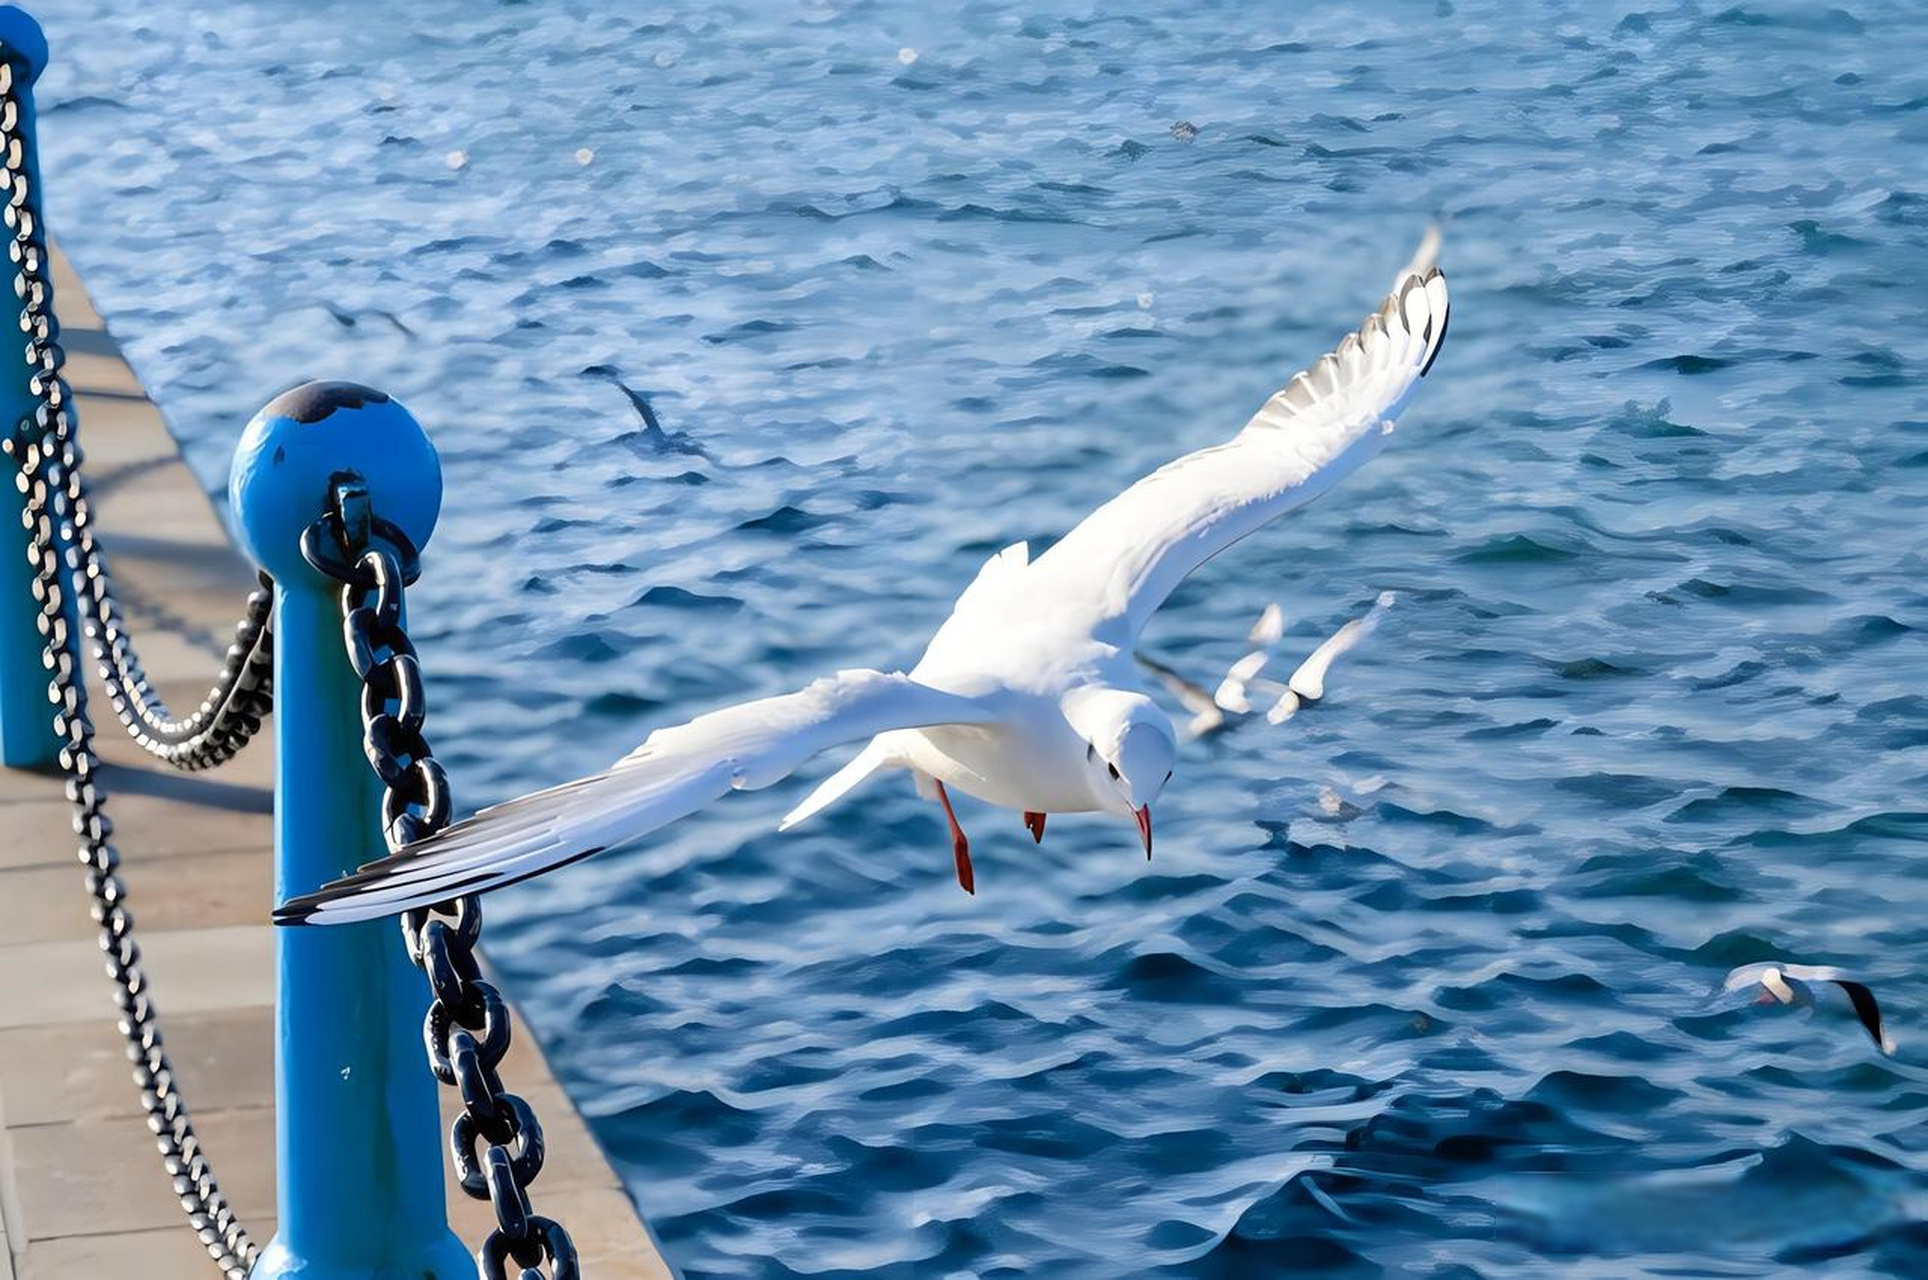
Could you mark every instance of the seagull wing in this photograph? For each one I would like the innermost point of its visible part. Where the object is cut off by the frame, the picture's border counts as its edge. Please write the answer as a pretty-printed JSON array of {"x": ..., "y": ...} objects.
[
  {"x": 1868, "y": 1011},
  {"x": 674, "y": 773},
  {"x": 1812, "y": 972},
  {"x": 1206, "y": 715},
  {"x": 1308, "y": 682},
  {"x": 1122, "y": 562},
  {"x": 1266, "y": 634},
  {"x": 1190, "y": 694}
]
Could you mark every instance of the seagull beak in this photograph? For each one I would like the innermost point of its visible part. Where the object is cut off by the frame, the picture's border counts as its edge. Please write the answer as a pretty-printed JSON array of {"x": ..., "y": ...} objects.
[{"x": 1143, "y": 815}]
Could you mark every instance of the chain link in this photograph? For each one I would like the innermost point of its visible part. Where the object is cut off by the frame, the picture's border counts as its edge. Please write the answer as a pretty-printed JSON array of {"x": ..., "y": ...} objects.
[
  {"x": 43, "y": 449},
  {"x": 496, "y": 1142}
]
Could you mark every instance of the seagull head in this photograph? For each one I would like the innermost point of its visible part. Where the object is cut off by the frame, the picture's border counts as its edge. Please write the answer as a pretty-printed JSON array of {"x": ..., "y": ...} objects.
[
  {"x": 1130, "y": 751},
  {"x": 1769, "y": 983}
]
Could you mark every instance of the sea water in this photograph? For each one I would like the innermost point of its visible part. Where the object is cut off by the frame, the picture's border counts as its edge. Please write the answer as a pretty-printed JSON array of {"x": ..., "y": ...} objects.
[{"x": 1417, "y": 982}]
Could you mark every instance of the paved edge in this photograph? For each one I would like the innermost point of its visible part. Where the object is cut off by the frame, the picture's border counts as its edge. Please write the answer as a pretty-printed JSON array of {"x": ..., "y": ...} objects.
[{"x": 82, "y": 1193}]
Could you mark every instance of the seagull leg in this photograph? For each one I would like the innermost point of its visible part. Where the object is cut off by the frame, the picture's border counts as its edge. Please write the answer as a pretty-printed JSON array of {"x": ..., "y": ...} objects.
[
  {"x": 960, "y": 844},
  {"x": 1034, "y": 823}
]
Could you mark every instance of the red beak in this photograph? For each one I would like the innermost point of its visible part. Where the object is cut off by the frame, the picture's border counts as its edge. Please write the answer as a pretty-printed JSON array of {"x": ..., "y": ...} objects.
[{"x": 1144, "y": 828}]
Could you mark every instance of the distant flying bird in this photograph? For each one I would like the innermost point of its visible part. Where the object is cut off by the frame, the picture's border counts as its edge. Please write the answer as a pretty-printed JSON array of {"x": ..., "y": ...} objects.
[
  {"x": 1789, "y": 984},
  {"x": 1211, "y": 709},
  {"x": 652, "y": 434},
  {"x": 1028, "y": 697}
]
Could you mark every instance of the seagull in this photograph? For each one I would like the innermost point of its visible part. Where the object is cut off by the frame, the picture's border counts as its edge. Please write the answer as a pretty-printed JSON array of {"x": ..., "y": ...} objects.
[
  {"x": 1788, "y": 984},
  {"x": 1028, "y": 696},
  {"x": 1211, "y": 710}
]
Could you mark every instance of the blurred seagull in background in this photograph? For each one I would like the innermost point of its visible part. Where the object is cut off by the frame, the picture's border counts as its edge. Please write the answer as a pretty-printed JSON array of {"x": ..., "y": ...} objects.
[
  {"x": 1028, "y": 697},
  {"x": 1233, "y": 696},
  {"x": 1791, "y": 984}
]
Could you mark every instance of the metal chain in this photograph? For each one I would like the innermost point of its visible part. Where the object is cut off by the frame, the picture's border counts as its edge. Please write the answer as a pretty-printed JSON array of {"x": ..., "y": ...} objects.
[
  {"x": 467, "y": 1029},
  {"x": 233, "y": 709},
  {"x": 43, "y": 449},
  {"x": 58, "y": 544},
  {"x": 230, "y": 713},
  {"x": 42, "y": 458}
]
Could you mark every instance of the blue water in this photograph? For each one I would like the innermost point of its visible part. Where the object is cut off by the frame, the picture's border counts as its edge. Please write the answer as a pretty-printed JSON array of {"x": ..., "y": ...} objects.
[{"x": 1416, "y": 983}]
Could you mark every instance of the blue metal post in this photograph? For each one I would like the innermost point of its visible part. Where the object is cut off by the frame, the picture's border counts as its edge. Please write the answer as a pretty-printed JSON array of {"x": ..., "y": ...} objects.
[
  {"x": 358, "y": 1140},
  {"x": 26, "y": 716}
]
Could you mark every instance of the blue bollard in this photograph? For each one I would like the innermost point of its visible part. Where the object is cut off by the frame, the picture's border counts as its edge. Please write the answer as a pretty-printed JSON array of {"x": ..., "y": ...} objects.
[
  {"x": 26, "y": 716},
  {"x": 358, "y": 1138}
]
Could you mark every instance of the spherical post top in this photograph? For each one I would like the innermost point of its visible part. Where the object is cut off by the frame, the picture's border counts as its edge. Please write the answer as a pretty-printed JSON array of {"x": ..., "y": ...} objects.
[
  {"x": 23, "y": 39},
  {"x": 294, "y": 448}
]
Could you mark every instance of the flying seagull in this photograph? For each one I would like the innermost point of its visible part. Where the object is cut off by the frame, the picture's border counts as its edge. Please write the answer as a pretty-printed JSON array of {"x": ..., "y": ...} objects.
[
  {"x": 1027, "y": 697},
  {"x": 1212, "y": 710},
  {"x": 1788, "y": 984},
  {"x": 1209, "y": 709}
]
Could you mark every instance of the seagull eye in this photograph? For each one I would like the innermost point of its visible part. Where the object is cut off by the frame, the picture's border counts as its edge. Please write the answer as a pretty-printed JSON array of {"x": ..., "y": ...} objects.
[{"x": 1113, "y": 768}]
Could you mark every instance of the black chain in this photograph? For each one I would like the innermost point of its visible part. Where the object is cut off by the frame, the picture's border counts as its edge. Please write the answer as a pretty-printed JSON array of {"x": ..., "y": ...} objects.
[
  {"x": 496, "y": 1142},
  {"x": 41, "y": 477},
  {"x": 232, "y": 711},
  {"x": 43, "y": 449}
]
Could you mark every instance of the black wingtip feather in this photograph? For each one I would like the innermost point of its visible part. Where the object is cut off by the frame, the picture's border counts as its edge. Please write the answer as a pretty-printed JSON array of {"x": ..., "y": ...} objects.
[
  {"x": 296, "y": 911},
  {"x": 1865, "y": 1009},
  {"x": 1445, "y": 322},
  {"x": 305, "y": 909}
]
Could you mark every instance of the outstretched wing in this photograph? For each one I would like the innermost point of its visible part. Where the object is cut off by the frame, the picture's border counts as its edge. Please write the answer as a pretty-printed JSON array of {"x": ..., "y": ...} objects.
[
  {"x": 674, "y": 773},
  {"x": 1129, "y": 554},
  {"x": 1308, "y": 681},
  {"x": 1867, "y": 1010}
]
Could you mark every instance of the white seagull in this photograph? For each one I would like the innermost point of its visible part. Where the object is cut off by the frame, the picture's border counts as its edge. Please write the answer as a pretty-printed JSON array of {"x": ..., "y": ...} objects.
[
  {"x": 1028, "y": 696},
  {"x": 1789, "y": 984},
  {"x": 1233, "y": 697}
]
